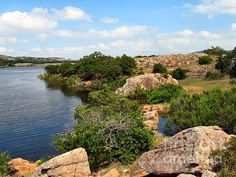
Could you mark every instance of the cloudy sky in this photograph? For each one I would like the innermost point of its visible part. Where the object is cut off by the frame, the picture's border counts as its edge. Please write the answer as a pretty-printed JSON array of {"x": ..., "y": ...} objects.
[{"x": 72, "y": 28}]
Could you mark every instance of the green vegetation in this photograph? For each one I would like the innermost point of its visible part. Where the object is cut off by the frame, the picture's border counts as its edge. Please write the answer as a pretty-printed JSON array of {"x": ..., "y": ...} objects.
[
  {"x": 205, "y": 60},
  {"x": 4, "y": 159},
  {"x": 215, "y": 107},
  {"x": 163, "y": 94},
  {"x": 218, "y": 51},
  {"x": 179, "y": 73},
  {"x": 110, "y": 128},
  {"x": 8, "y": 61},
  {"x": 228, "y": 166},
  {"x": 214, "y": 76},
  {"x": 159, "y": 68},
  {"x": 105, "y": 72}
]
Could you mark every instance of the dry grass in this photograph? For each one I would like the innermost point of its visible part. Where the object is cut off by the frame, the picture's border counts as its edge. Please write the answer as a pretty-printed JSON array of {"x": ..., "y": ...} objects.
[{"x": 199, "y": 85}]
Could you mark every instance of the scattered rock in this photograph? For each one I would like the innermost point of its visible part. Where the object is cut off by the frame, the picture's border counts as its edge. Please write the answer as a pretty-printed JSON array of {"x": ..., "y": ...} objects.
[
  {"x": 145, "y": 81},
  {"x": 71, "y": 164},
  {"x": 189, "y": 151},
  {"x": 21, "y": 167},
  {"x": 169, "y": 61},
  {"x": 139, "y": 173},
  {"x": 186, "y": 175},
  {"x": 208, "y": 173},
  {"x": 112, "y": 173},
  {"x": 151, "y": 120}
]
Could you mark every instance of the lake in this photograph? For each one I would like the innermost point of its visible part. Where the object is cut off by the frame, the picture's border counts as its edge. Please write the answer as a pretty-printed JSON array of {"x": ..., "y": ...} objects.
[{"x": 30, "y": 113}]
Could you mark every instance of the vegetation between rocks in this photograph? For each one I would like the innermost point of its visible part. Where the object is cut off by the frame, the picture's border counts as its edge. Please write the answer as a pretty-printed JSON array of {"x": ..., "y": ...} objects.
[{"x": 110, "y": 128}]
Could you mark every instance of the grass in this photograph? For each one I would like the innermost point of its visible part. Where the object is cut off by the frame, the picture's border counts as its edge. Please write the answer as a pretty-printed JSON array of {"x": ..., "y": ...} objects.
[{"x": 198, "y": 85}]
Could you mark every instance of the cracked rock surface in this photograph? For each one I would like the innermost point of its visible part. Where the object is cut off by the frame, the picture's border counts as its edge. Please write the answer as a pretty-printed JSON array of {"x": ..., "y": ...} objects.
[{"x": 71, "y": 164}]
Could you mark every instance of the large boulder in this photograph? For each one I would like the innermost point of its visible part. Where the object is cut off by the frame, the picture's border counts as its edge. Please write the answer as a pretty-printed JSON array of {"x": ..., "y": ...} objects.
[
  {"x": 71, "y": 164},
  {"x": 145, "y": 81},
  {"x": 189, "y": 151},
  {"x": 21, "y": 167}
]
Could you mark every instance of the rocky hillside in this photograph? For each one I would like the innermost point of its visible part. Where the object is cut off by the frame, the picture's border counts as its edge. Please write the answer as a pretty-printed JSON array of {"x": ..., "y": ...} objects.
[{"x": 185, "y": 61}]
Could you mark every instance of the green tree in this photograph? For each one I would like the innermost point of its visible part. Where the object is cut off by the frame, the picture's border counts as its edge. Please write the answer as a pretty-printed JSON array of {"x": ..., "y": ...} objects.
[
  {"x": 110, "y": 129},
  {"x": 159, "y": 68},
  {"x": 215, "y": 107},
  {"x": 127, "y": 64},
  {"x": 4, "y": 159},
  {"x": 179, "y": 73},
  {"x": 205, "y": 60}
]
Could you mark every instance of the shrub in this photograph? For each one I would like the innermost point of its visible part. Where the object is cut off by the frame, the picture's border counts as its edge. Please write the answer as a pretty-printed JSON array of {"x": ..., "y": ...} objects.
[
  {"x": 215, "y": 107},
  {"x": 127, "y": 64},
  {"x": 232, "y": 81},
  {"x": 110, "y": 129},
  {"x": 228, "y": 166},
  {"x": 204, "y": 60},
  {"x": 215, "y": 51},
  {"x": 159, "y": 68},
  {"x": 52, "y": 69},
  {"x": 4, "y": 159},
  {"x": 179, "y": 74},
  {"x": 213, "y": 76},
  {"x": 224, "y": 64},
  {"x": 164, "y": 93},
  {"x": 233, "y": 72}
]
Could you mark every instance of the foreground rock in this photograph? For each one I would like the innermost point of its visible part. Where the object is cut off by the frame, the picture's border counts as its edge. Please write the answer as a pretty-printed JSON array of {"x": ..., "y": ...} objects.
[
  {"x": 145, "y": 81},
  {"x": 71, "y": 164},
  {"x": 186, "y": 175},
  {"x": 21, "y": 167},
  {"x": 189, "y": 151}
]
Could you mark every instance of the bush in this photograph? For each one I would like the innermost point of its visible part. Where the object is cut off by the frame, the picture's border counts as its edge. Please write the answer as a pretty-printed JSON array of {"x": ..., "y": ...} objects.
[
  {"x": 215, "y": 51},
  {"x": 159, "y": 68},
  {"x": 204, "y": 60},
  {"x": 232, "y": 81},
  {"x": 163, "y": 94},
  {"x": 4, "y": 159},
  {"x": 179, "y": 74},
  {"x": 110, "y": 129},
  {"x": 213, "y": 76},
  {"x": 233, "y": 72},
  {"x": 228, "y": 166},
  {"x": 224, "y": 64},
  {"x": 215, "y": 107},
  {"x": 52, "y": 69}
]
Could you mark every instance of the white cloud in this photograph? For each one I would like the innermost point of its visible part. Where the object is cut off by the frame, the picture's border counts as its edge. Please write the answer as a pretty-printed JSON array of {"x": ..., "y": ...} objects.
[
  {"x": 42, "y": 36},
  {"x": 120, "y": 32},
  {"x": 109, "y": 20},
  {"x": 212, "y": 7},
  {"x": 234, "y": 26},
  {"x": 66, "y": 34},
  {"x": 7, "y": 39},
  {"x": 36, "y": 50},
  {"x": 4, "y": 50},
  {"x": 71, "y": 13},
  {"x": 209, "y": 35},
  {"x": 25, "y": 21}
]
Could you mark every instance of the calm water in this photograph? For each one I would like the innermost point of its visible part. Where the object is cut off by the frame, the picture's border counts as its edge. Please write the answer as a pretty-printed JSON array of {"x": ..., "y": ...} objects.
[{"x": 30, "y": 113}]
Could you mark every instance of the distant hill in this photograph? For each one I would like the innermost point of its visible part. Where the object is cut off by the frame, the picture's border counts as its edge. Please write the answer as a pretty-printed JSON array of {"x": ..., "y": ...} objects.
[{"x": 10, "y": 61}]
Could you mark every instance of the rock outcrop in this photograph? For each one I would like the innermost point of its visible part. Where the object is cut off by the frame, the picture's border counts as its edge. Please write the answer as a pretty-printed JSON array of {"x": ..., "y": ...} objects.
[
  {"x": 71, "y": 164},
  {"x": 151, "y": 120},
  {"x": 169, "y": 61},
  {"x": 189, "y": 151},
  {"x": 208, "y": 173},
  {"x": 145, "y": 81},
  {"x": 186, "y": 175},
  {"x": 21, "y": 167}
]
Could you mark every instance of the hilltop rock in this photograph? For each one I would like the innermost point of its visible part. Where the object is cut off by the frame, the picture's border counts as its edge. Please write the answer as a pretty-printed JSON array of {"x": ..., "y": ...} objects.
[
  {"x": 71, "y": 164},
  {"x": 145, "y": 81},
  {"x": 189, "y": 151},
  {"x": 169, "y": 61},
  {"x": 21, "y": 167}
]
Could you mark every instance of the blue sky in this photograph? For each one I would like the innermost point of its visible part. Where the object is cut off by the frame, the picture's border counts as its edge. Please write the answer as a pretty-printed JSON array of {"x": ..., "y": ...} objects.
[{"x": 73, "y": 28}]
